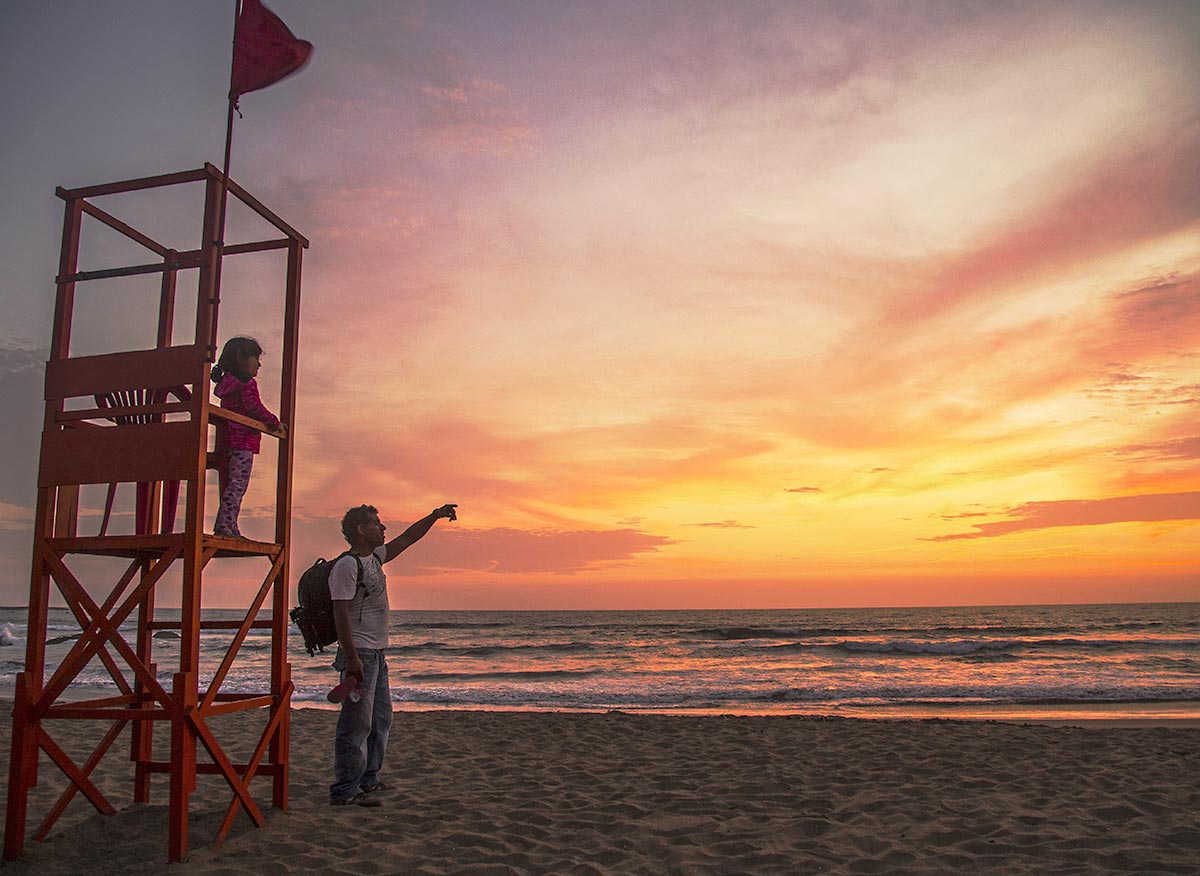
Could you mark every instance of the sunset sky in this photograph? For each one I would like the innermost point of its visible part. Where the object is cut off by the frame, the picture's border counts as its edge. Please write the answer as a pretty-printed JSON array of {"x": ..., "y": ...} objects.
[{"x": 686, "y": 304}]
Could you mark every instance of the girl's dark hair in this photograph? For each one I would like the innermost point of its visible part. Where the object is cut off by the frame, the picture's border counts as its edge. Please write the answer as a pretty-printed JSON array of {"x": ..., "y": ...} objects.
[{"x": 235, "y": 352}]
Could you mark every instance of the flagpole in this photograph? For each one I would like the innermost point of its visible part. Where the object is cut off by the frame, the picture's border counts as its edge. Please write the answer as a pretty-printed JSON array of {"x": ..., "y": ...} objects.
[{"x": 224, "y": 197}]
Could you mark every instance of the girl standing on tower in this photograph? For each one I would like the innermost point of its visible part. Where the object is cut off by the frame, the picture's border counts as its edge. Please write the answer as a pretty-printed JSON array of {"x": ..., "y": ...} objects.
[{"x": 237, "y": 389}]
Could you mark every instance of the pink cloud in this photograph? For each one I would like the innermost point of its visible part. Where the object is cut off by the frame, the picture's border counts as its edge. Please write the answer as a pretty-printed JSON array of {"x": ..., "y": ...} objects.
[
  {"x": 472, "y": 114},
  {"x": 1133, "y": 347},
  {"x": 1088, "y": 512},
  {"x": 1131, "y": 196},
  {"x": 1161, "y": 317},
  {"x": 1178, "y": 448}
]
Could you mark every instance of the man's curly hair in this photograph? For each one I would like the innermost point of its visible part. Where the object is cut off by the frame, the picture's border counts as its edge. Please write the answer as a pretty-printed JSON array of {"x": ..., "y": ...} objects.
[{"x": 355, "y": 518}]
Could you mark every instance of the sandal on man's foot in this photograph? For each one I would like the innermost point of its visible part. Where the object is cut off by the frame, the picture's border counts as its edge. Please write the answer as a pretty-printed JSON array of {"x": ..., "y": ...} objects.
[{"x": 357, "y": 800}]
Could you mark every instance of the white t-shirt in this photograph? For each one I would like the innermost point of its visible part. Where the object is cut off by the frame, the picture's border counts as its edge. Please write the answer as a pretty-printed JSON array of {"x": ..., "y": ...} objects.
[{"x": 369, "y": 603}]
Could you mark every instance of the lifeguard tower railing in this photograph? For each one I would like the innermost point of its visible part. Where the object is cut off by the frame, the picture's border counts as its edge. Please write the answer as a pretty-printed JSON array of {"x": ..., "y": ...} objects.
[{"x": 145, "y": 417}]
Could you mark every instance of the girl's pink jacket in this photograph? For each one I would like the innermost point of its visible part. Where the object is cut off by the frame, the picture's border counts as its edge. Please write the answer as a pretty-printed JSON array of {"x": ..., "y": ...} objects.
[{"x": 241, "y": 397}]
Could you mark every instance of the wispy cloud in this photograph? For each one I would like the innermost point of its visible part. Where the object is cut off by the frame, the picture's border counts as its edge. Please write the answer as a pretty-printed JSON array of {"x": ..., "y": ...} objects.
[
  {"x": 1177, "y": 448},
  {"x": 15, "y": 518},
  {"x": 473, "y": 114},
  {"x": 1088, "y": 512},
  {"x": 17, "y": 358}
]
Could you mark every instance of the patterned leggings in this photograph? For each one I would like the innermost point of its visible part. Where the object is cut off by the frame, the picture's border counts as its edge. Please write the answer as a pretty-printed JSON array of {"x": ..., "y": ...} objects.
[{"x": 240, "y": 463}]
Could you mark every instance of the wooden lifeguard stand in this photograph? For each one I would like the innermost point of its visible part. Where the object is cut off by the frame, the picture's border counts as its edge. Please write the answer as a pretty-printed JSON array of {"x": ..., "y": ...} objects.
[{"x": 144, "y": 417}]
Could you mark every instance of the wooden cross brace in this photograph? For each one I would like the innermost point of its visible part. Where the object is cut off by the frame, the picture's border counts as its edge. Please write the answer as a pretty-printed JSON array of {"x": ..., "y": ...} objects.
[{"x": 103, "y": 627}]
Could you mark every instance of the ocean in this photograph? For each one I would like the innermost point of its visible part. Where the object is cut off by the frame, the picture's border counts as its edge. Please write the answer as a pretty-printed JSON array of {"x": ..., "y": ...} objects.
[{"x": 1004, "y": 661}]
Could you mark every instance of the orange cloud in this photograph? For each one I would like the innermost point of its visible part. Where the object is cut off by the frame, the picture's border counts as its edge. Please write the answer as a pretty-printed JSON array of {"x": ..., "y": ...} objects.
[
  {"x": 1178, "y": 448},
  {"x": 1088, "y": 512}
]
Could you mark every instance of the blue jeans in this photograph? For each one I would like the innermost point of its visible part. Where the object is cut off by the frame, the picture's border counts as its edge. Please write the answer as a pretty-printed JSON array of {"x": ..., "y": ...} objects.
[{"x": 362, "y": 729}]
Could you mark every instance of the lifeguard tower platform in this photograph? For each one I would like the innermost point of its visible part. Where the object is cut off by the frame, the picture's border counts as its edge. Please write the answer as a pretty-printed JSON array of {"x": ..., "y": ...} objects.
[{"x": 144, "y": 417}]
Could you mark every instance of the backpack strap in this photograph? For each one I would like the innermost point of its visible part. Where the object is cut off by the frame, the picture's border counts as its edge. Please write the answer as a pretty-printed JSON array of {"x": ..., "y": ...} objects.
[
  {"x": 358, "y": 562},
  {"x": 358, "y": 584}
]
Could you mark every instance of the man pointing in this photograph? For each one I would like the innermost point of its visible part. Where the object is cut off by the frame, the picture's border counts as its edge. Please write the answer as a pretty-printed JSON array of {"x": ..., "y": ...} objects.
[{"x": 358, "y": 588}]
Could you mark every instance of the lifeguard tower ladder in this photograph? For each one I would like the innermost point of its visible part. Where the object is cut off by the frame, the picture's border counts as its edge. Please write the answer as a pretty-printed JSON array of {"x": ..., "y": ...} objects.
[{"x": 144, "y": 417}]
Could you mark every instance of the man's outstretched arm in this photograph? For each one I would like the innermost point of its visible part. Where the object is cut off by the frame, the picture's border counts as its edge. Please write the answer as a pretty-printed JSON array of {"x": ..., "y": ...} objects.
[{"x": 416, "y": 532}]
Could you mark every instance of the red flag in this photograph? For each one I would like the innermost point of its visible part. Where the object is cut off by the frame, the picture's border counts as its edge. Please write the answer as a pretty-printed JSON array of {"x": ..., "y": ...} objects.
[{"x": 264, "y": 50}]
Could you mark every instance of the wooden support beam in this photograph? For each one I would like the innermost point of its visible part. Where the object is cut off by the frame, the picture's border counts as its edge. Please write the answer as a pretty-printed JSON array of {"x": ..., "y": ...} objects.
[
  {"x": 66, "y": 510},
  {"x": 268, "y": 736},
  {"x": 23, "y": 763},
  {"x": 67, "y": 795},
  {"x": 84, "y": 713},
  {"x": 183, "y": 765},
  {"x": 73, "y": 773},
  {"x": 241, "y": 704},
  {"x": 79, "y": 655},
  {"x": 257, "y": 246},
  {"x": 166, "y": 300},
  {"x": 234, "y": 417},
  {"x": 240, "y": 790},
  {"x": 204, "y": 769},
  {"x": 64, "y": 302},
  {"x": 126, "y": 271},
  {"x": 103, "y": 627},
  {"x": 212, "y": 625},
  {"x": 254, "y": 204},
  {"x": 129, "y": 231},
  {"x": 240, "y": 636},
  {"x": 132, "y": 185},
  {"x": 109, "y": 663}
]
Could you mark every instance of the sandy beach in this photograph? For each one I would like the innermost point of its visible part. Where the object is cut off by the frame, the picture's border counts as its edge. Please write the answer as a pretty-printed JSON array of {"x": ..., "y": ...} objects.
[{"x": 492, "y": 793}]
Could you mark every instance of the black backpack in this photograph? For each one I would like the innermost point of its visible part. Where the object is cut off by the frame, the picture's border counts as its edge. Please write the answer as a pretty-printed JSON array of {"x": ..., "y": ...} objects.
[{"x": 313, "y": 616}]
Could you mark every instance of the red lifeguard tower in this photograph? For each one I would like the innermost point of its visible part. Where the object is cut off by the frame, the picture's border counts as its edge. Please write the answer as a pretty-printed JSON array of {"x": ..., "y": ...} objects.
[{"x": 144, "y": 417}]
